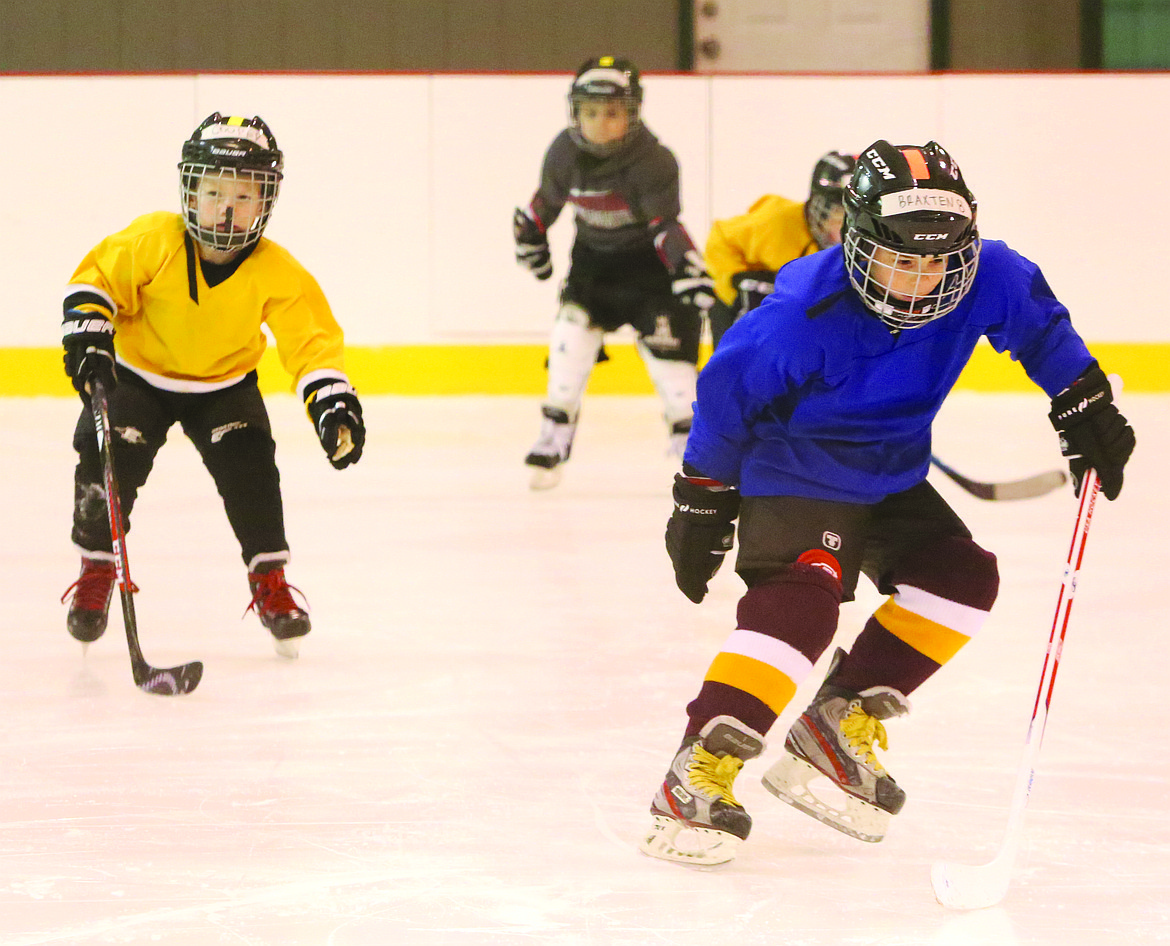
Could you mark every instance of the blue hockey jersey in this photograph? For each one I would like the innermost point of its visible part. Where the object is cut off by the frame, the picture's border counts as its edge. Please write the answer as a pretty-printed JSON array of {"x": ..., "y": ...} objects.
[{"x": 812, "y": 395}]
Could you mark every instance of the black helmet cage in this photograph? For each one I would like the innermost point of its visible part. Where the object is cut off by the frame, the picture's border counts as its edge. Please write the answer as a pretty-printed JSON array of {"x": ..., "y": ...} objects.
[
  {"x": 913, "y": 202},
  {"x": 605, "y": 79},
  {"x": 829, "y": 178},
  {"x": 229, "y": 149}
]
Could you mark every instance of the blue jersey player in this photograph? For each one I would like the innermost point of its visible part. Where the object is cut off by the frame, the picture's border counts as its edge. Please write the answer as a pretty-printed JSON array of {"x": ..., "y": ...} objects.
[{"x": 812, "y": 427}]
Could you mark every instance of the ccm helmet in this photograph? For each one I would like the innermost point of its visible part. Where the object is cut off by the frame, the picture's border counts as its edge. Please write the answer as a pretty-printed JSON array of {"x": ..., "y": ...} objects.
[
  {"x": 912, "y": 203},
  {"x": 605, "y": 79},
  {"x": 823, "y": 210},
  {"x": 221, "y": 153}
]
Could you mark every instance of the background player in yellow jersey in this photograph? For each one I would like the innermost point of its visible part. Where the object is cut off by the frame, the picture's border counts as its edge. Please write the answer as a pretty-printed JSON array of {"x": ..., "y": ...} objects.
[
  {"x": 168, "y": 315},
  {"x": 744, "y": 253}
]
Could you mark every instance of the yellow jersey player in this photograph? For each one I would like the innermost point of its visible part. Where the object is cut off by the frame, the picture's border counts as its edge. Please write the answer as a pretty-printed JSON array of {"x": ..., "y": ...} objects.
[
  {"x": 168, "y": 314},
  {"x": 744, "y": 253}
]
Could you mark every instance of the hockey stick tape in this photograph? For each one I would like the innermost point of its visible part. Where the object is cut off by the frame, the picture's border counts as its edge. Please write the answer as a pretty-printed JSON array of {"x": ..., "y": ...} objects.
[{"x": 344, "y": 442}]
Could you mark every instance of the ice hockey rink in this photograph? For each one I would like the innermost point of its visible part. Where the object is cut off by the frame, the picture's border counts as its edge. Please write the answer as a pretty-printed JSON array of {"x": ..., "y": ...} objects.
[{"x": 465, "y": 751}]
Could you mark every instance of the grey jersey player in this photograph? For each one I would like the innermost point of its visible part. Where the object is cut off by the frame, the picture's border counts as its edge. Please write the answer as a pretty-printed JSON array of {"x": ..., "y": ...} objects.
[{"x": 633, "y": 262}]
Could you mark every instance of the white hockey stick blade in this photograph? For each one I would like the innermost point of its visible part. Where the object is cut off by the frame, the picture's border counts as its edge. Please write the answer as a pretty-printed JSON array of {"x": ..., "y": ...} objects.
[{"x": 973, "y": 886}]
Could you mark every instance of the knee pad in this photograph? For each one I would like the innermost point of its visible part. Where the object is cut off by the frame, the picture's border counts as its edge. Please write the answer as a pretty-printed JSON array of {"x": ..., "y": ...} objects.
[{"x": 572, "y": 352}]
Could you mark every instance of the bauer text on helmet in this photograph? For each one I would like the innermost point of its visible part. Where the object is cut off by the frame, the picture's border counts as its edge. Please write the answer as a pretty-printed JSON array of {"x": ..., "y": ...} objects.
[{"x": 230, "y": 176}]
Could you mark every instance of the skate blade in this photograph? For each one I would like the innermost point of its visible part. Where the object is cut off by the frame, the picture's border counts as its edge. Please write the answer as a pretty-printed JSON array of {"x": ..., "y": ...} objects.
[
  {"x": 672, "y": 840},
  {"x": 789, "y": 781},
  {"x": 287, "y": 648},
  {"x": 544, "y": 478}
]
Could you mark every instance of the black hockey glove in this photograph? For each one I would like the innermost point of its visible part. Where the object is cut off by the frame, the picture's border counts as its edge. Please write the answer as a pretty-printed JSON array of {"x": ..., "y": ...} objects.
[
  {"x": 692, "y": 285},
  {"x": 531, "y": 245},
  {"x": 88, "y": 338},
  {"x": 1092, "y": 431},
  {"x": 752, "y": 288},
  {"x": 700, "y": 531},
  {"x": 337, "y": 417}
]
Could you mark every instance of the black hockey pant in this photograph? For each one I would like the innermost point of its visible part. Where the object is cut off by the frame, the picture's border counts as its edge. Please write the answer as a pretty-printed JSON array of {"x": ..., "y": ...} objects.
[{"x": 229, "y": 428}]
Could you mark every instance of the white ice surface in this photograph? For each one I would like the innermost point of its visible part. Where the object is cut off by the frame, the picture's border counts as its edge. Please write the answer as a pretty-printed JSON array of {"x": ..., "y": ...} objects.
[{"x": 496, "y": 680}]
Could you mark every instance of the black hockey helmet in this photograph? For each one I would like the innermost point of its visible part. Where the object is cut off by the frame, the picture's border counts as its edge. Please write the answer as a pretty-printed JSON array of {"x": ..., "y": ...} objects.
[
  {"x": 236, "y": 149},
  {"x": 829, "y": 177},
  {"x": 606, "y": 79},
  {"x": 909, "y": 200}
]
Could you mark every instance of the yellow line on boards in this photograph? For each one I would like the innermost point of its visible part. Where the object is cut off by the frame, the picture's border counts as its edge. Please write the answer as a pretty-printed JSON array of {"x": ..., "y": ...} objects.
[{"x": 519, "y": 369}]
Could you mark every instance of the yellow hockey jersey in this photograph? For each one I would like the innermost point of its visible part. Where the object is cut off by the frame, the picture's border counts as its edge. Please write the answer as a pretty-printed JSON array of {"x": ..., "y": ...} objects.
[
  {"x": 773, "y": 232},
  {"x": 182, "y": 334}
]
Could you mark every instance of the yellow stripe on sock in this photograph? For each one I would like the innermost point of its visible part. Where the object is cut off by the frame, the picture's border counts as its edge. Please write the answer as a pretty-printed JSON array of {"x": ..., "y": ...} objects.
[
  {"x": 936, "y": 641},
  {"x": 763, "y": 681}
]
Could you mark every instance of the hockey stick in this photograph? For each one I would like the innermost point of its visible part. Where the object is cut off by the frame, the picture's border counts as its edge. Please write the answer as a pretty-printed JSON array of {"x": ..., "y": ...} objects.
[
  {"x": 1026, "y": 488},
  {"x": 176, "y": 680},
  {"x": 971, "y": 887}
]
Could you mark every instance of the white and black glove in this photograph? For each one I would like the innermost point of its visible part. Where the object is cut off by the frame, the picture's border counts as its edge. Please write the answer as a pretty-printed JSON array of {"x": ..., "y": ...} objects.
[
  {"x": 1092, "y": 431},
  {"x": 337, "y": 417},
  {"x": 692, "y": 284},
  {"x": 700, "y": 531},
  {"x": 751, "y": 288},
  {"x": 88, "y": 338},
  {"x": 531, "y": 245}
]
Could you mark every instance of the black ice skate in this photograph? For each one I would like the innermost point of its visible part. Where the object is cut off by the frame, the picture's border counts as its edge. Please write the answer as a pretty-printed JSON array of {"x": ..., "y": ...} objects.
[
  {"x": 834, "y": 738},
  {"x": 90, "y": 608},
  {"x": 696, "y": 819},
  {"x": 552, "y": 448},
  {"x": 273, "y": 603}
]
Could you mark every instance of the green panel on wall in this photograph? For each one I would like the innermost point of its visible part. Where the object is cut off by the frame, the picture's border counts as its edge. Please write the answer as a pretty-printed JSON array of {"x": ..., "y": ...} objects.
[{"x": 1135, "y": 34}]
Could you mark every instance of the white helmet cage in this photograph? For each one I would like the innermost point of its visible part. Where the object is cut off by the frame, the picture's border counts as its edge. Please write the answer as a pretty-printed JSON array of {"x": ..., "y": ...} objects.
[
  {"x": 221, "y": 154},
  {"x": 871, "y": 277}
]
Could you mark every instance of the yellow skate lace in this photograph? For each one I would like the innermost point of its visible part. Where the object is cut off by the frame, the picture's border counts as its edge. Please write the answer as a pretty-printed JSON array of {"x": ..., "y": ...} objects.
[
  {"x": 713, "y": 775},
  {"x": 862, "y": 730}
]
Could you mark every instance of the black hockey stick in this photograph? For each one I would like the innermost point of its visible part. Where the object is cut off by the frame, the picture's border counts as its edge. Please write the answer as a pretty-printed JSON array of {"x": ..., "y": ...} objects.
[
  {"x": 1027, "y": 488},
  {"x": 177, "y": 680}
]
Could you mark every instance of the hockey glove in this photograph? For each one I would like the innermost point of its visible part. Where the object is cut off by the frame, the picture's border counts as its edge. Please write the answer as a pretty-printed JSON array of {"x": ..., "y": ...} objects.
[
  {"x": 752, "y": 288},
  {"x": 692, "y": 285},
  {"x": 1092, "y": 431},
  {"x": 531, "y": 245},
  {"x": 337, "y": 417},
  {"x": 700, "y": 531},
  {"x": 88, "y": 338}
]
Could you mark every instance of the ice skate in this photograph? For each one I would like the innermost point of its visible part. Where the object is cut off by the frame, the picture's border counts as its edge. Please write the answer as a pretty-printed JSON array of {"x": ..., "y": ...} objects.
[
  {"x": 551, "y": 450},
  {"x": 679, "y": 431},
  {"x": 834, "y": 739},
  {"x": 696, "y": 819},
  {"x": 273, "y": 603},
  {"x": 90, "y": 608}
]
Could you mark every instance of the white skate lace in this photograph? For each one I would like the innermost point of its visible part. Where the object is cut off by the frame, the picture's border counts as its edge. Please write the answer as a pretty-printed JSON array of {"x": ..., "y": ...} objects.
[
  {"x": 861, "y": 731},
  {"x": 713, "y": 775}
]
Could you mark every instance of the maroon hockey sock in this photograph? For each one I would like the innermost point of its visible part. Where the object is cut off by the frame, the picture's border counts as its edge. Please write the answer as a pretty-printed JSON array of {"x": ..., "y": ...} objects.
[{"x": 799, "y": 606}]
